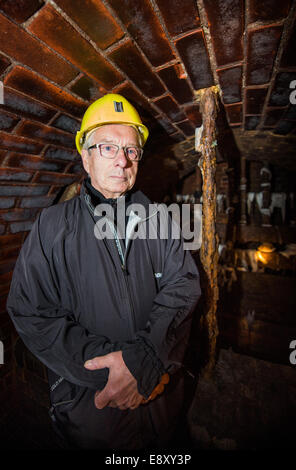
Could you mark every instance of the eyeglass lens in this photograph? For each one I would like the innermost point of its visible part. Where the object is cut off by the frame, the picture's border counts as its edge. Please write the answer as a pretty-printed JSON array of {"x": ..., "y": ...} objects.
[{"x": 111, "y": 150}]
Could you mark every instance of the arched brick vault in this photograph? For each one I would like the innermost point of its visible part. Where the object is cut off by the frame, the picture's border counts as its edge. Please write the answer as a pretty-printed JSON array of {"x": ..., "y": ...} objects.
[{"x": 58, "y": 56}]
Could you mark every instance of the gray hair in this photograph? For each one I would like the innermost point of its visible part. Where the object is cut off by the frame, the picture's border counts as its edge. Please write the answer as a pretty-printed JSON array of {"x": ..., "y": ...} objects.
[{"x": 89, "y": 138}]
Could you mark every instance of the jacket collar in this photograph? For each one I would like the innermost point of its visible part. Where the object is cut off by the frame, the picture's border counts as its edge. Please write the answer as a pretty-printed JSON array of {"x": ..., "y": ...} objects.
[{"x": 134, "y": 196}]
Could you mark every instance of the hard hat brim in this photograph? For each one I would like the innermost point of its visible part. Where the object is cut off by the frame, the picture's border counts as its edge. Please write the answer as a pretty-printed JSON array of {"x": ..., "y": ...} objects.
[{"x": 81, "y": 135}]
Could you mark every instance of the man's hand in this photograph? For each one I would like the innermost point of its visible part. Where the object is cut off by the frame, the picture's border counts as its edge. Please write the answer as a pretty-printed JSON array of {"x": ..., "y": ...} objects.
[{"x": 121, "y": 390}]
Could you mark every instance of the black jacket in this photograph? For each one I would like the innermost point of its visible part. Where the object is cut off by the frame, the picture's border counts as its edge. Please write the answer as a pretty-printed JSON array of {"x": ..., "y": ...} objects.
[{"x": 74, "y": 296}]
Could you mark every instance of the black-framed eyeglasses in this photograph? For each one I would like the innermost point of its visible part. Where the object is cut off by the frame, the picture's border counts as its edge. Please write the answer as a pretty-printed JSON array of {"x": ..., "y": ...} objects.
[{"x": 110, "y": 150}]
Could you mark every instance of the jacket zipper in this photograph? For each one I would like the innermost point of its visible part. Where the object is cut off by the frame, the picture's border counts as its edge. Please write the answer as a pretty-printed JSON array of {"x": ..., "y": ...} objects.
[
  {"x": 125, "y": 274},
  {"x": 122, "y": 258},
  {"x": 123, "y": 265}
]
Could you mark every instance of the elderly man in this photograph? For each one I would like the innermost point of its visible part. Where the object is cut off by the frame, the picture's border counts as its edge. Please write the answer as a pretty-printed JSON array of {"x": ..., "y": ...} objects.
[{"x": 108, "y": 315}]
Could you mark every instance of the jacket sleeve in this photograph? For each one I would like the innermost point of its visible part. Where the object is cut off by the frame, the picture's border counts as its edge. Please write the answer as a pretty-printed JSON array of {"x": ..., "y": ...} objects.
[
  {"x": 161, "y": 346},
  {"x": 47, "y": 329}
]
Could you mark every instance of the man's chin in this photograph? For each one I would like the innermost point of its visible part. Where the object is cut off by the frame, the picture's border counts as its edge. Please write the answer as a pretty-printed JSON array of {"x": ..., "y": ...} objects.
[{"x": 117, "y": 190}]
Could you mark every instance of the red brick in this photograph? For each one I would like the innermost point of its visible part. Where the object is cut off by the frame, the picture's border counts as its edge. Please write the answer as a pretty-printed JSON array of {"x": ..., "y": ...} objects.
[
  {"x": 20, "y": 45},
  {"x": 271, "y": 10},
  {"x": 6, "y": 278},
  {"x": 255, "y": 100},
  {"x": 128, "y": 59},
  {"x": 186, "y": 127},
  {"x": 66, "y": 123},
  {"x": 87, "y": 89},
  {"x": 170, "y": 108},
  {"x": 57, "y": 153},
  {"x": 55, "y": 191},
  {"x": 288, "y": 57},
  {"x": 18, "y": 160},
  {"x": 95, "y": 19},
  {"x": 193, "y": 52},
  {"x": 167, "y": 125},
  {"x": 19, "y": 144},
  {"x": 29, "y": 83},
  {"x": 273, "y": 116},
  {"x": 7, "y": 202},
  {"x": 42, "y": 201},
  {"x": 8, "y": 121},
  {"x": 4, "y": 63},
  {"x": 3, "y": 155},
  {"x": 178, "y": 137},
  {"x": 251, "y": 122},
  {"x": 143, "y": 25},
  {"x": 180, "y": 15},
  {"x": 55, "y": 178},
  {"x": 23, "y": 190},
  {"x": 262, "y": 49},
  {"x": 155, "y": 127},
  {"x": 24, "y": 106},
  {"x": 76, "y": 169},
  {"x": 7, "y": 265},
  {"x": 193, "y": 114},
  {"x": 177, "y": 86},
  {"x": 284, "y": 127},
  {"x": 10, "y": 240},
  {"x": 18, "y": 214},
  {"x": 290, "y": 113},
  {"x": 14, "y": 175},
  {"x": 141, "y": 104},
  {"x": 21, "y": 10},
  {"x": 154, "y": 130},
  {"x": 2, "y": 229},
  {"x": 230, "y": 81},
  {"x": 226, "y": 22},
  {"x": 45, "y": 134},
  {"x": 10, "y": 251},
  {"x": 234, "y": 113},
  {"x": 54, "y": 30},
  {"x": 16, "y": 227}
]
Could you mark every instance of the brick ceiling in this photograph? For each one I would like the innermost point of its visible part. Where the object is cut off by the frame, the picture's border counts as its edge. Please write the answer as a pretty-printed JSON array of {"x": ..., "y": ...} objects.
[{"x": 58, "y": 56}]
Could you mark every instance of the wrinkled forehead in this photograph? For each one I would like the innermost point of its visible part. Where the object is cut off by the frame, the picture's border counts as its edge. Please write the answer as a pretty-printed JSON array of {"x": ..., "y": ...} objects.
[{"x": 116, "y": 133}]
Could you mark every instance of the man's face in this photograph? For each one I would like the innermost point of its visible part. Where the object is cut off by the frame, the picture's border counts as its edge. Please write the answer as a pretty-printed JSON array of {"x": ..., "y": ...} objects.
[{"x": 112, "y": 177}]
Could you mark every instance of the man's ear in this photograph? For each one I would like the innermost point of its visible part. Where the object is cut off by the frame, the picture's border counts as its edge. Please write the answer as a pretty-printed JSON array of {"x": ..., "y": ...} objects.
[{"x": 85, "y": 160}]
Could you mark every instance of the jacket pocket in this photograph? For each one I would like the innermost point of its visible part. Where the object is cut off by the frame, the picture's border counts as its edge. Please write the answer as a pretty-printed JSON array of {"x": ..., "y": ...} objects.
[{"x": 64, "y": 396}]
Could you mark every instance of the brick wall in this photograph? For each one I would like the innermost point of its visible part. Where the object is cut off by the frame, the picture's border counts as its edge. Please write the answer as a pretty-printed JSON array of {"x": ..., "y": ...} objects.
[{"x": 57, "y": 56}]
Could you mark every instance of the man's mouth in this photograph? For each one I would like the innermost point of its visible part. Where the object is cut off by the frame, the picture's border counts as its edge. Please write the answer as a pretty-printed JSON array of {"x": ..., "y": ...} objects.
[{"x": 122, "y": 177}]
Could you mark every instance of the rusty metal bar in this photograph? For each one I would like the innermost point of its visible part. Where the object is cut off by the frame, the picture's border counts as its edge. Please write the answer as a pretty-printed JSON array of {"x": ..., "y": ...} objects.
[{"x": 209, "y": 249}]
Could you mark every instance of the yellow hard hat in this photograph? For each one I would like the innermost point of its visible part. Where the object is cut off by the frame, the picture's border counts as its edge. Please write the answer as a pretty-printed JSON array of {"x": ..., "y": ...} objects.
[{"x": 110, "y": 109}]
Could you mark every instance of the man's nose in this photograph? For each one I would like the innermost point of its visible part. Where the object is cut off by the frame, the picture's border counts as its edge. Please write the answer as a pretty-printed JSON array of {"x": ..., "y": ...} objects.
[{"x": 121, "y": 159}]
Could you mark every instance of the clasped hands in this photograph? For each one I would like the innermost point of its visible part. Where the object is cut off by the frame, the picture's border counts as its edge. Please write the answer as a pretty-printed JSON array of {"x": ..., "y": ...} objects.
[{"x": 121, "y": 390}]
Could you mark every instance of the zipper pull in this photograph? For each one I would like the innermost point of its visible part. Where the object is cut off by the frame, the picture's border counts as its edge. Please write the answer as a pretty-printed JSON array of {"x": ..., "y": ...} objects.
[{"x": 123, "y": 267}]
